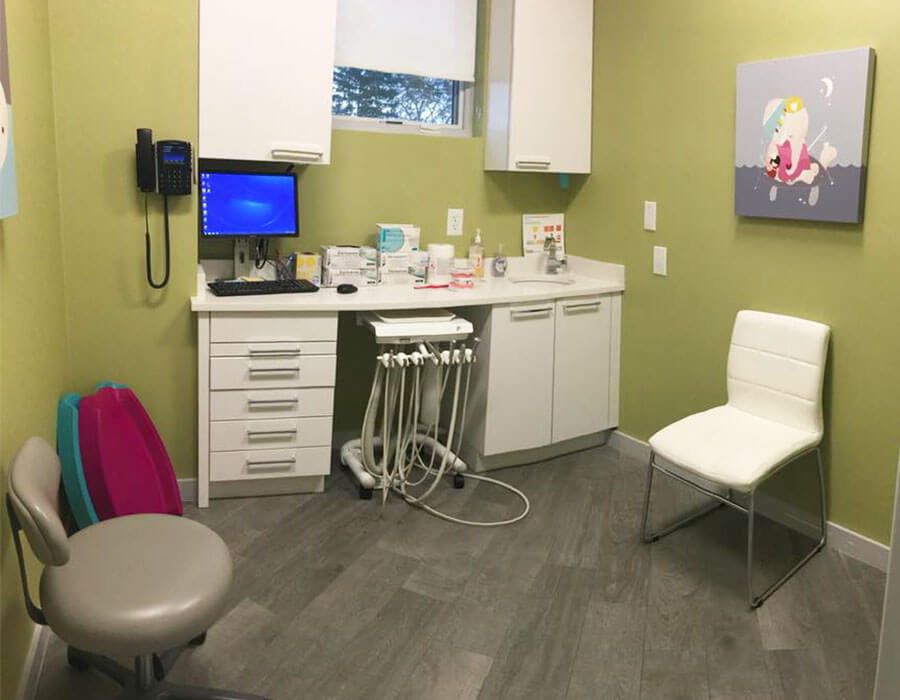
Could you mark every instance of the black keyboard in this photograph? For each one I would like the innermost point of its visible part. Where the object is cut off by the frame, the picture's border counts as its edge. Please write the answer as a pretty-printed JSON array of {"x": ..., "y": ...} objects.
[{"x": 239, "y": 289}]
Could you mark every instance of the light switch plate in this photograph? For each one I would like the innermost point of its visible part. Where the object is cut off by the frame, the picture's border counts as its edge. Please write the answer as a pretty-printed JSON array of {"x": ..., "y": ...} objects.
[
  {"x": 649, "y": 216},
  {"x": 454, "y": 222},
  {"x": 660, "y": 261}
]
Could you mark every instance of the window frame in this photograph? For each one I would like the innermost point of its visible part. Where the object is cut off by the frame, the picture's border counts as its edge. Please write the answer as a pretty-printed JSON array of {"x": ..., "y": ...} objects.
[{"x": 462, "y": 129}]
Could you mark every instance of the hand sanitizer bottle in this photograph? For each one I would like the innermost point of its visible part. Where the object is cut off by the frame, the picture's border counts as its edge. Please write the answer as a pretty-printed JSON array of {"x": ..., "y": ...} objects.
[
  {"x": 498, "y": 268},
  {"x": 476, "y": 256}
]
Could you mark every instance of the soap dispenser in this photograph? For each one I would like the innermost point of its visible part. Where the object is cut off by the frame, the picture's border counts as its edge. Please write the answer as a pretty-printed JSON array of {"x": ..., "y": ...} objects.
[
  {"x": 476, "y": 256},
  {"x": 498, "y": 267}
]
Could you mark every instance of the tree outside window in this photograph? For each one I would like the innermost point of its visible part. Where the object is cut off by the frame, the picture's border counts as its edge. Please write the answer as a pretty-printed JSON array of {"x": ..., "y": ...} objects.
[{"x": 395, "y": 96}]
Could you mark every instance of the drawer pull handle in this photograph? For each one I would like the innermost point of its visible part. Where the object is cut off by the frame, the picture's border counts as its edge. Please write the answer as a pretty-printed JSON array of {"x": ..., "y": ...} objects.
[
  {"x": 274, "y": 352},
  {"x": 583, "y": 307},
  {"x": 271, "y": 463},
  {"x": 274, "y": 370},
  {"x": 269, "y": 433},
  {"x": 272, "y": 402}
]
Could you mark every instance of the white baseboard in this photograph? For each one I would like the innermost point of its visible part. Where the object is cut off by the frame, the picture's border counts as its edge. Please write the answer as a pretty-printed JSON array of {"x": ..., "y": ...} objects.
[
  {"x": 188, "y": 489},
  {"x": 34, "y": 663},
  {"x": 839, "y": 537}
]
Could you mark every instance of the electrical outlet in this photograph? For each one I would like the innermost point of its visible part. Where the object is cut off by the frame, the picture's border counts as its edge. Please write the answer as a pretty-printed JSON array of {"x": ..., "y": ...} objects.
[
  {"x": 454, "y": 222},
  {"x": 660, "y": 260},
  {"x": 649, "y": 216}
]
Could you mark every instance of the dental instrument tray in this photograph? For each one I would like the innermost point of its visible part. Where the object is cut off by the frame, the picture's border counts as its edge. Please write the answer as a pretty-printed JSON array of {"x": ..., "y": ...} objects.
[
  {"x": 422, "y": 324},
  {"x": 238, "y": 288}
]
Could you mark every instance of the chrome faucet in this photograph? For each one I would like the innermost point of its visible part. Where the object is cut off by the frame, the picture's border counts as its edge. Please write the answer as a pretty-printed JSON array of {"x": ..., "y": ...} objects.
[{"x": 554, "y": 264}]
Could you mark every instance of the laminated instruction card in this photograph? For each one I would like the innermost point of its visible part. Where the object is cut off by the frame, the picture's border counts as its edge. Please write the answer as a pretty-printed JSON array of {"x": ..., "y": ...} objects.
[{"x": 536, "y": 228}]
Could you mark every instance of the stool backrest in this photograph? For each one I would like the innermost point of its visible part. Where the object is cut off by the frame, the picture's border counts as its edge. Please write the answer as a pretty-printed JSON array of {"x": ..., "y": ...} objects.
[
  {"x": 34, "y": 476},
  {"x": 776, "y": 368}
]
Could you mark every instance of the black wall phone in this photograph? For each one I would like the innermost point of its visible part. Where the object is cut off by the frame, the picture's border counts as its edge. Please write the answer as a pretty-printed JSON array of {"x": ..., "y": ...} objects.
[{"x": 164, "y": 168}]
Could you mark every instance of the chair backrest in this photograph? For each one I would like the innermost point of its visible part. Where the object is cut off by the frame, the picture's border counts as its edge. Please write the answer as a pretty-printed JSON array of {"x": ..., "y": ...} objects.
[
  {"x": 776, "y": 367},
  {"x": 34, "y": 476}
]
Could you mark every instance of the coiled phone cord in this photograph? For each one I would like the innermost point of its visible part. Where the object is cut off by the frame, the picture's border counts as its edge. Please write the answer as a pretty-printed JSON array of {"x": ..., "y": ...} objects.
[{"x": 165, "y": 280}]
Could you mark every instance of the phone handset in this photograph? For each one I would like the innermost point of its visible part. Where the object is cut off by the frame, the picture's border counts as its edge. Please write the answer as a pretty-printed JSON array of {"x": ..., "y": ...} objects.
[{"x": 164, "y": 168}]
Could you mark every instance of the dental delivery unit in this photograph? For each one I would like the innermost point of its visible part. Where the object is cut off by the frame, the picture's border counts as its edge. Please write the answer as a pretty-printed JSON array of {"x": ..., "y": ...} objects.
[{"x": 422, "y": 371}]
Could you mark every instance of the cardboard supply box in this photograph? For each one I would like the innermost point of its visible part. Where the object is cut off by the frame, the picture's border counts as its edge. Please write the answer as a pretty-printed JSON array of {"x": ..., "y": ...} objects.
[
  {"x": 340, "y": 257},
  {"x": 393, "y": 262},
  {"x": 333, "y": 278},
  {"x": 309, "y": 268},
  {"x": 397, "y": 238},
  {"x": 395, "y": 277}
]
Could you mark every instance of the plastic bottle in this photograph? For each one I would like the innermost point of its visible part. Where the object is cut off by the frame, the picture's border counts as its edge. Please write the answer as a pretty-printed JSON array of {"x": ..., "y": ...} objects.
[
  {"x": 476, "y": 256},
  {"x": 498, "y": 268}
]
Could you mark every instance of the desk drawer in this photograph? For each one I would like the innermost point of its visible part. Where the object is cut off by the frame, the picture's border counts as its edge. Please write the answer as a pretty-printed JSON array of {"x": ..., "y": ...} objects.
[
  {"x": 268, "y": 434},
  {"x": 263, "y": 350},
  {"x": 269, "y": 464},
  {"x": 270, "y": 403},
  {"x": 234, "y": 327},
  {"x": 271, "y": 373}
]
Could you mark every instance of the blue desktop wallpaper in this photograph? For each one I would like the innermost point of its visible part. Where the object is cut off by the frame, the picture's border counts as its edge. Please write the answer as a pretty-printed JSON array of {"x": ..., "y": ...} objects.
[{"x": 235, "y": 204}]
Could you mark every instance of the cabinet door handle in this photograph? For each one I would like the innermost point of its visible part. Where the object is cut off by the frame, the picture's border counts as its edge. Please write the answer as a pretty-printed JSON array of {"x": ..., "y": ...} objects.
[
  {"x": 584, "y": 306},
  {"x": 271, "y": 402},
  {"x": 530, "y": 313},
  {"x": 297, "y": 152},
  {"x": 274, "y": 370},
  {"x": 533, "y": 162},
  {"x": 271, "y": 463}
]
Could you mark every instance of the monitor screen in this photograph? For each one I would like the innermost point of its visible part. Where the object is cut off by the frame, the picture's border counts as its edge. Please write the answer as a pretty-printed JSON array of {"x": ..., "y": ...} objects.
[{"x": 248, "y": 204}]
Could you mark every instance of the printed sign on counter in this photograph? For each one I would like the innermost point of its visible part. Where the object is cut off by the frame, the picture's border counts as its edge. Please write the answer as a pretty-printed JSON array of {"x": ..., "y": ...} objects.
[{"x": 536, "y": 228}]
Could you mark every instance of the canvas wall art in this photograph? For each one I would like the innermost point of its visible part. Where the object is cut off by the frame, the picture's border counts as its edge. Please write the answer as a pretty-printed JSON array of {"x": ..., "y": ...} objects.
[
  {"x": 8, "y": 196},
  {"x": 801, "y": 136}
]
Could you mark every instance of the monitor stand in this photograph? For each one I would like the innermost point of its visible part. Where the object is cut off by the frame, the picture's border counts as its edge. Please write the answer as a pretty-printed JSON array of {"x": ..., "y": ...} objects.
[{"x": 243, "y": 262}]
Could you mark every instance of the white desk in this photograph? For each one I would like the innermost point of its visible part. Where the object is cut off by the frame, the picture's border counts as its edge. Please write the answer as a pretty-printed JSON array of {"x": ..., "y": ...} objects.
[{"x": 266, "y": 368}]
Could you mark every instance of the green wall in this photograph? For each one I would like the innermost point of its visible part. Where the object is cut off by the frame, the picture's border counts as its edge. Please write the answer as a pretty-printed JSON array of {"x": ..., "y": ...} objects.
[
  {"x": 32, "y": 318},
  {"x": 664, "y": 130},
  {"x": 107, "y": 85}
]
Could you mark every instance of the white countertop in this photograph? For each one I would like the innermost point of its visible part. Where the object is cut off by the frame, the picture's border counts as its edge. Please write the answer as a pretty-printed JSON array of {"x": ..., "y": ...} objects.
[{"x": 589, "y": 278}]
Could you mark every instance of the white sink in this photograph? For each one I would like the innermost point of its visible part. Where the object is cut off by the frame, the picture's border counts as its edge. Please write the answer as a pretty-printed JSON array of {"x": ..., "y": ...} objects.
[{"x": 544, "y": 279}]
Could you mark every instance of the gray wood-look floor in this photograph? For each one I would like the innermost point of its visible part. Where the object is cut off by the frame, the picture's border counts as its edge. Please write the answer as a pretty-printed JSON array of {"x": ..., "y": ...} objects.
[{"x": 335, "y": 598}]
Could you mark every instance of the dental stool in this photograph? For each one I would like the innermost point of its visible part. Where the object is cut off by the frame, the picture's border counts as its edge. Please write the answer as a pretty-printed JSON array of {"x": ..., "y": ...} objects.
[{"x": 140, "y": 586}]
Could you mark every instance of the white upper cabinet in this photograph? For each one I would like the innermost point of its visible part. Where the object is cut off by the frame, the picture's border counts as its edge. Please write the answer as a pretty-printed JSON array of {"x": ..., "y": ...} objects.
[
  {"x": 266, "y": 70},
  {"x": 540, "y": 69}
]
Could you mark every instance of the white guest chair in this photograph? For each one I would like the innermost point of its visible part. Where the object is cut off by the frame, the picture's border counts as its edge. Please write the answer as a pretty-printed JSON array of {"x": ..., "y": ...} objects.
[{"x": 776, "y": 366}]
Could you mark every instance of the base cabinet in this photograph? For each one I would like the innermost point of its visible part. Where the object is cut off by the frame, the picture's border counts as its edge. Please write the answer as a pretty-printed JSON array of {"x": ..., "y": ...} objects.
[
  {"x": 547, "y": 374},
  {"x": 266, "y": 394}
]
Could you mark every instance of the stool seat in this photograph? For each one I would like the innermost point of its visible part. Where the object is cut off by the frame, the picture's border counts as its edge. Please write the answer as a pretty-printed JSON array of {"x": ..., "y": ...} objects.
[{"x": 137, "y": 585}]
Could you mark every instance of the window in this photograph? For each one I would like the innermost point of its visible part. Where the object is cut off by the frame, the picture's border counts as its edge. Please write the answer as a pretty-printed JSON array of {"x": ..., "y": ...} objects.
[
  {"x": 405, "y": 65},
  {"x": 399, "y": 101}
]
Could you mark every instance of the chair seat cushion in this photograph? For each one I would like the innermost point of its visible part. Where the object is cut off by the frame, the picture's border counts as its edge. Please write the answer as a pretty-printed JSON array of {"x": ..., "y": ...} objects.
[
  {"x": 729, "y": 446},
  {"x": 137, "y": 584}
]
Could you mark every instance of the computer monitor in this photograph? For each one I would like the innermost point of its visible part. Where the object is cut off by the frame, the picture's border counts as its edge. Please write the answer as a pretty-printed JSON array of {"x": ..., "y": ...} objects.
[{"x": 244, "y": 204}]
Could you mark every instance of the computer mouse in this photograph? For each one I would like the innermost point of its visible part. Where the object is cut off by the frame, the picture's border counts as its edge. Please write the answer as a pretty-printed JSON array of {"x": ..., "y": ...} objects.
[{"x": 346, "y": 288}]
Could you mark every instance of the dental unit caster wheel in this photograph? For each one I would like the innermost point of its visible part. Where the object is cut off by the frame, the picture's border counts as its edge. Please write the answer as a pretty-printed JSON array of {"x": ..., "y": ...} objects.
[
  {"x": 365, "y": 493},
  {"x": 459, "y": 481},
  {"x": 75, "y": 662}
]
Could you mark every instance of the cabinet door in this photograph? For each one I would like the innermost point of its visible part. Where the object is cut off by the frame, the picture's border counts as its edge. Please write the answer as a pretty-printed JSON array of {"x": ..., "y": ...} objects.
[
  {"x": 550, "y": 95},
  {"x": 520, "y": 385},
  {"x": 265, "y": 79},
  {"x": 581, "y": 367}
]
